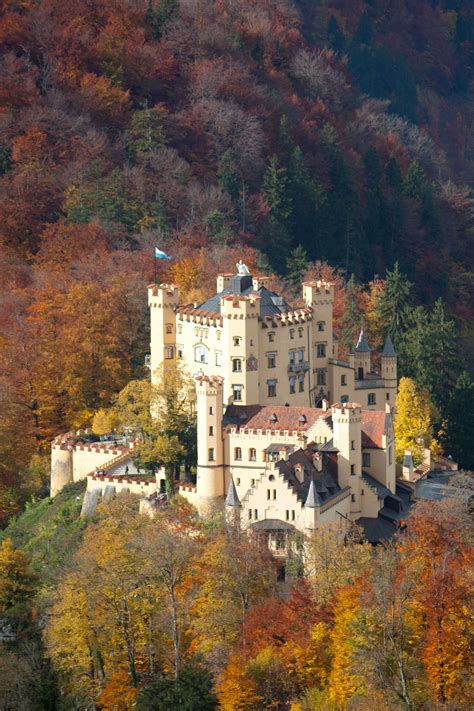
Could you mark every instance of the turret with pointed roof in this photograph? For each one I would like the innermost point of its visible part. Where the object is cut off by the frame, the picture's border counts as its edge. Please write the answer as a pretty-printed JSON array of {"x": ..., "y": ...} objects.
[
  {"x": 312, "y": 500},
  {"x": 388, "y": 349},
  {"x": 362, "y": 345},
  {"x": 232, "y": 498}
]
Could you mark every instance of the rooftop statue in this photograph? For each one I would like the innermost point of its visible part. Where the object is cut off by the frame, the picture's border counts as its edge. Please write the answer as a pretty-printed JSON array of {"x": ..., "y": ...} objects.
[{"x": 242, "y": 269}]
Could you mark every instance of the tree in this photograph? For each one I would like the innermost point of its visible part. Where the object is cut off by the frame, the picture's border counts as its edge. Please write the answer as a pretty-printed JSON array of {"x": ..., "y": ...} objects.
[
  {"x": 277, "y": 231},
  {"x": 296, "y": 265},
  {"x": 335, "y": 558},
  {"x": 18, "y": 583},
  {"x": 132, "y": 408},
  {"x": 413, "y": 420},
  {"x": 457, "y": 430},
  {"x": 102, "y": 422},
  {"x": 351, "y": 320},
  {"x": 392, "y": 306},
  {"x": 191, "y": 691}
]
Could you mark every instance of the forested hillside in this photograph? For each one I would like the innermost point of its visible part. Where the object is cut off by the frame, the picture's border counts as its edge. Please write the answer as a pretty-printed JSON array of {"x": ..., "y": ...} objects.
[{"x": 218, "y": 129}]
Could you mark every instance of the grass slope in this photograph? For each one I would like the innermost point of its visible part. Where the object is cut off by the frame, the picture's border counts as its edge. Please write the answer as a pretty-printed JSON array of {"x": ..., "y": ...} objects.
[{"x": 49, "y": 531}]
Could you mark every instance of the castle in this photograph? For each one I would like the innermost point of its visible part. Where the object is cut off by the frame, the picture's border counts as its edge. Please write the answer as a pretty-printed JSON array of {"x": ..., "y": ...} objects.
[
  {"x": 270, "y": 446},
  {"x": 266, "y": 351}
]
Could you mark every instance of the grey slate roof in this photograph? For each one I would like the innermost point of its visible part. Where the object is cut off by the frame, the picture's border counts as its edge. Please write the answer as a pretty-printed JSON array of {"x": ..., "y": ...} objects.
[
  {"x": 388, "y": 349},
  {"x": 362, "y": 345},
  {"x": 232, "y": 498},
  {"x": 270, "y": 303},
  {"x": 272, "y": 524},
  {"x": 381, "y": 490},
  {"x": 312, "y": 500},
  {"x": 395, "y": 509}
]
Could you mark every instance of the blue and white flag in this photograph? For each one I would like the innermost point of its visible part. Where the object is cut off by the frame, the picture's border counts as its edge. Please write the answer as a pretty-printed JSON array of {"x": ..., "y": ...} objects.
[{"x": 161, "y": 255}]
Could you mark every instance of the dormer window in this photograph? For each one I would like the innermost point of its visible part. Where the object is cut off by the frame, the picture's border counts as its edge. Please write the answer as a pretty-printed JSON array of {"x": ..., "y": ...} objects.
[
  {"x": 302, "y": 421},
  {"x": 273, "y": 419}
]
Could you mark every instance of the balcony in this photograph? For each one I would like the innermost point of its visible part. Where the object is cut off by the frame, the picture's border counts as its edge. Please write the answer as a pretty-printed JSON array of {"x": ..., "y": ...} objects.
[{"x": 300, "y": 367}]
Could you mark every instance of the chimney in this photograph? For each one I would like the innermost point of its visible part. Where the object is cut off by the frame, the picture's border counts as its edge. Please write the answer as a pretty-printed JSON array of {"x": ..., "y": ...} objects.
[
  {"x": 318, "y": 461},
  {"x": 407, "y": 466},
  {"x": 283, "y": 453},
  {"x": 325, "y": 405},
  {"x": 299, "y": 472},
  {"x": 388, "y": 408}
]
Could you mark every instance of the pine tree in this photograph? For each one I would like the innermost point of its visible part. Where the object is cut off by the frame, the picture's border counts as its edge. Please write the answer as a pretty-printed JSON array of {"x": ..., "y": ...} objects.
[
  {"x": 296, "y": 265},
  {"x": 352, "y": 318},
  {"x": 229, "y": 179},
  {"x": 277, "y": 232},
  {"x": 393, "y": 304},
  {"x": 457, "y": 433},
  {"x": 336, "y": 38}
]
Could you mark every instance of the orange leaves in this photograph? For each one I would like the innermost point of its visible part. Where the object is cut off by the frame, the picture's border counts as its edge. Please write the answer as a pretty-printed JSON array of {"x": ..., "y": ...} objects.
[
  {"x": 29, "y": 150},
  {"x": 118, "y": 694},
  {"x": 104, "y": 100}
]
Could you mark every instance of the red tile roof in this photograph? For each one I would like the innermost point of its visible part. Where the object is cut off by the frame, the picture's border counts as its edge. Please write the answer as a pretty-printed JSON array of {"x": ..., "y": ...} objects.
[
  {"x": 258, "y": 416},
  {"x": 374, "y": 424}
]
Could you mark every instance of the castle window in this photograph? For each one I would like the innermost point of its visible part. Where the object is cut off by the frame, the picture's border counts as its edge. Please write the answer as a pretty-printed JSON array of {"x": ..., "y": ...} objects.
[
  {"x": 320, "y": 377},
  {"x": 352, "y": 444},
  {"x": 344, "y": 399},
  {"x": 292, "y": 333},
  {"x": 237, "y": 392},
  {"x": 201, "y": 354},
  {"x": 271, "y": 477},
  {"x": 237, "y": 340},
  {"x": 353, "y": 498},
  {"x": 271, "y": 357},
  {"x": 211, "y": 411},
  {"x": 211, "y": 430},
  {"x": 252, "y": 482},
  {"x": 287, "y": 515},
  {"x": 238, "y": 453},
  {"x": 169, "y": 328},
  {"x": 236, "y": 365},
  {"x": 274, "y": 494},
  {"x": 365, "y": 459},
  {"x": 352, "y": 469},
  {"x": 269, "y": 494},
  {"x": 218, "y": 358},
  {"x": 343, "y": 379},
  {"x": 321, "y": 325},
  {"x": 272, "y": 388},
  {"x": 180, "y": 328},
  {"x": 293, "y": 515},
  {"x": 362, "y": 492},
  {"x": 252, "y": 454},
  {"x": 271, "y": 336},
  {"x": 292, "y": 357},
  {"x": 300, "y": 332},
  {"x": 211, "y": 454},
  {"x": 237, "y": 482},
  {"x": 387, "y": 396},
  {"x": 321, "y": 350},
  {"x": 250, "y": 514},
  {"x": 255, "y": 514},
  {"x": 180, "y": 352},
  {"x": 218, "y": 335},
  {"x": 371, "y": 399},
  {"x": 292, "y": 384},
  {"x": 300, "y": 355},
  {"x": 301, "y": 382},
  {"x": 169, "y": 352}
]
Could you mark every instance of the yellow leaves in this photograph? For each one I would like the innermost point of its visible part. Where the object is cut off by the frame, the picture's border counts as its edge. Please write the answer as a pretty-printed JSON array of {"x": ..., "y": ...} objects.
[
  {"x": 102, "y": 422},
  {"x": 235, "y": 691},
  {"x": 190, "y": 274},
  {"x": 343, "y": 681},
  {"x": 413, "y": 421},
  {"x": 17, "y": 581}
]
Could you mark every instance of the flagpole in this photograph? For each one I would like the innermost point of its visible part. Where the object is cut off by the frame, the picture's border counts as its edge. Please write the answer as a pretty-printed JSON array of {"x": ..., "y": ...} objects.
[{"x": 154, "y": 265}]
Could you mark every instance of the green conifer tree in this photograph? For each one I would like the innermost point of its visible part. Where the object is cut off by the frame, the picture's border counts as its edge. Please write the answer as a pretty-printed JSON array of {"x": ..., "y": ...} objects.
[
  {"x": 277, "y": 230},
  {"x": 457, "y": 433},
  {"x": 296, "y": 265}
]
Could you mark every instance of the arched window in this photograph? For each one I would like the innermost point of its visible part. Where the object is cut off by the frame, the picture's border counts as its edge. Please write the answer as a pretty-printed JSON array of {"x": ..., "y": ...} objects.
[
  {"x": 292, "y": 333},
  {"x": 300, "y": 332},
  {"x": 169, "y": 328},
  {"x": 238, "y": 453},
  {"x": 201, "y": 354},
  {"x": 252, "y": 454}
]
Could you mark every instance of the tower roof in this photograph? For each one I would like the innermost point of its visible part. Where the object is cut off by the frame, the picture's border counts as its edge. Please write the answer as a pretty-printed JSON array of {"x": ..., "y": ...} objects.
[
  {"x": 312, "y": 500},
  {"x": 362, "y": 345},
  {"x": 388, "y": 349},
  {"x": 232, "y": 498}
]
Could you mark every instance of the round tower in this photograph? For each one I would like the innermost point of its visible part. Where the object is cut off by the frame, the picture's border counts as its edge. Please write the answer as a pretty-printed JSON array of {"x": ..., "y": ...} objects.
[
  {"x": 210, "y": 446},
  {"x": 61, "y": 466}
]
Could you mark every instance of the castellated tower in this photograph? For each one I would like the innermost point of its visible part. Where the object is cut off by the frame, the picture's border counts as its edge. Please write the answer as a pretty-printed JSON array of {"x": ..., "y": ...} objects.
[
  {"x": 347, "y": 429},
  {"x": 241, "y": 340},
  {"x": 210, "y": 468},
  {"x": 162, "y": 301},
  {"x": 319, "y": 296}
]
